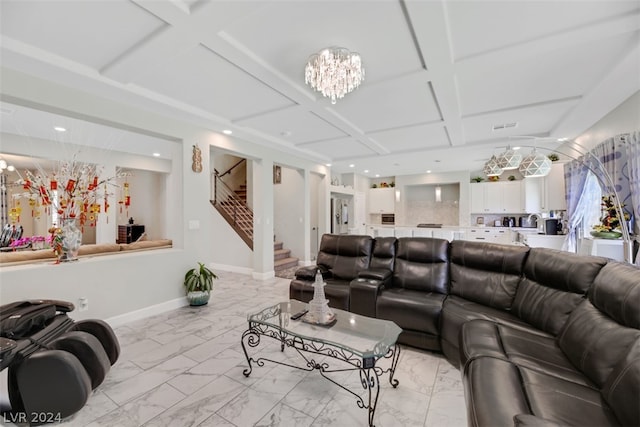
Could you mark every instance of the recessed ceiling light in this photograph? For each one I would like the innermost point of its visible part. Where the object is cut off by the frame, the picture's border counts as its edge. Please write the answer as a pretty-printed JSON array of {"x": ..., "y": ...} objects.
[
  {"x": 328, "y": 165},
  {"x": 366, "y": 171},
  {"x": 562, "y": 139},
  {"x": 156, "y": 154},
  {"x": 227, "y": 132},
  {"x": 59, "y": 129},
  {"x": 429, "y": 171},
  {"x": 11, "y": 168},
  {"x": 352, "y": 165},
  {"x": 516, "y": 148},
  {"x": 377, "y": 175}
]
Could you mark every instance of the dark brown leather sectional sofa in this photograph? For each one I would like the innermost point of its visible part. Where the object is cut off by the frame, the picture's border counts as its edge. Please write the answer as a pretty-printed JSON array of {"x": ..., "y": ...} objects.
[{"x": 543, "y": 337}]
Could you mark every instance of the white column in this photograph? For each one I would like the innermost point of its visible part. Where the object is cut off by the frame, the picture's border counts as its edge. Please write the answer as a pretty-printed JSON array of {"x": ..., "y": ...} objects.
[{"x": 263, "y": 219}]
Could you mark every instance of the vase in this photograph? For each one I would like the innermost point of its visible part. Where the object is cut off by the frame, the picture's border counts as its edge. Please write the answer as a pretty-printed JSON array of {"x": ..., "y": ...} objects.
[
  {"x": 197, "y": 298},
  {"x": 606, "y": 234},
  {"x": 71, "y": 240}
]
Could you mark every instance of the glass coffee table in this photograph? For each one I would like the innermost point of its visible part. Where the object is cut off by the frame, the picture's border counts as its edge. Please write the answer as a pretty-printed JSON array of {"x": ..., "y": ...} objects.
[{"x": 354, "y": 340}]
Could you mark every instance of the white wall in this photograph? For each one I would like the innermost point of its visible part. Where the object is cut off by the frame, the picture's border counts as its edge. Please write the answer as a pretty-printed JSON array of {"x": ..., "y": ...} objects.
[
  {"x": 119, "y": 284},
  {"x": 288, "y": 211},
  {"x": 623, "y": 119},
  {"x": 147, "y": 190}
]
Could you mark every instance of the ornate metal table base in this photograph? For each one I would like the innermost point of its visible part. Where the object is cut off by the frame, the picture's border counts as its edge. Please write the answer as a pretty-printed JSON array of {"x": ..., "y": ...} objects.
[{"x": 370, "y": 374}]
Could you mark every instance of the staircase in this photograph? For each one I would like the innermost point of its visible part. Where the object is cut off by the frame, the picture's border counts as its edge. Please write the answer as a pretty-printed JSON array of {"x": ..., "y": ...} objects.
[
  {"x": 233, "y": 207},
  {"x": 282, "y": 260}
]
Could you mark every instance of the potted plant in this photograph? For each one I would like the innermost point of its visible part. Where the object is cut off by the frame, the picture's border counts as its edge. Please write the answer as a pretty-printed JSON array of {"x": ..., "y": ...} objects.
[
  {"x": 198, "y": 282},
  {"x": 609, "y": 227}
]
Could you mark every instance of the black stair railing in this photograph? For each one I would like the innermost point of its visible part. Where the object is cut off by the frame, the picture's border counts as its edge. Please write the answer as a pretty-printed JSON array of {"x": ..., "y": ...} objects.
[{"x": 233, "y": 209}]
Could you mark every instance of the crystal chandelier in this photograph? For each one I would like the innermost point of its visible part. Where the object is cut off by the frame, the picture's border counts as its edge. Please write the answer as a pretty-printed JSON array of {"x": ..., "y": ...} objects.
[{"x": 334, "y": 71}]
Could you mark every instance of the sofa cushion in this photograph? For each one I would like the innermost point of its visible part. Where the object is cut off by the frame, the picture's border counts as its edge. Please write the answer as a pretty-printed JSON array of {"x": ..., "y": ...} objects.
[
  {"x": 622, "y": 388},
  {"x": 422, "y": 264},
  {"x": 594, "y": 343},
  {"x": 565, "y": 402},
  {"x": 486, "y": 273},
  {"x": 497, "y": 390},
  {"x": 604, "y": 328},
  {"x": 457, "y": 311},
  {"x": 524, "y": 348},
  {"x": 616, "y": 292},
  {"x": 555, "y": 283},
  {"x": 384, "y": 253},
  {"x": 409, "y": 309},
  {"x": 493, "y": 392},
  {"x": 345, "y": 255}
]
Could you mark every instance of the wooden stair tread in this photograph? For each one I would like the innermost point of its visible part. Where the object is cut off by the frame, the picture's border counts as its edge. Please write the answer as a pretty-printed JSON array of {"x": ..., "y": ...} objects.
[{"x": 284, "y": 263}]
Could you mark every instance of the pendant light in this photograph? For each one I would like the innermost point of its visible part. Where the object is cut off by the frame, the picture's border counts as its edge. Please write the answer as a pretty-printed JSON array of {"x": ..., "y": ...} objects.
[
  {"x": 535, "y": 165},
  {"x": 510, "y": 159},
  {"x": 491, "y": 168}
]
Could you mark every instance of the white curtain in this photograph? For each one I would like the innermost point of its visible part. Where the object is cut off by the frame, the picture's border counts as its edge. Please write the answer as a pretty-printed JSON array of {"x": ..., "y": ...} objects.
[
  {"x": 620, "y": 158},
  {"x": 581, "y": 209},
  {"x": 575, "y": 176},
  {"x": 633, "y": 160},
  {"x": 614, "y": 155}
]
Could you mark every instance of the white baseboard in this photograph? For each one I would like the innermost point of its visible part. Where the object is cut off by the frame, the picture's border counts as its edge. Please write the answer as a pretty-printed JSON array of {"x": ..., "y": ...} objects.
[
  {"x": 122, "y": 319},
  {"x": 232, "y": 268},
  {"x": 263, "y": 276},
  {"x": 244, "y": 270}
]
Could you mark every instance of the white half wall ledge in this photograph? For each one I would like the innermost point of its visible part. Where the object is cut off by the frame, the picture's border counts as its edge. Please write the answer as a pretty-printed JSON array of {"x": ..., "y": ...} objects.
[{"x": 143, "y": 313}]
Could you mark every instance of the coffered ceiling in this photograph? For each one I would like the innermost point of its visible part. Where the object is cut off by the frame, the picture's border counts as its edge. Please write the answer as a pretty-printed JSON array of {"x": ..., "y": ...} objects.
[{"x": 440, "y": 75}]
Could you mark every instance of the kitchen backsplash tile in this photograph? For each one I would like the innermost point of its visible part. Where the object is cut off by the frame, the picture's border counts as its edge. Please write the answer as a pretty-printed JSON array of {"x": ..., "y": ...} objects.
[{"x": 420, "y": 211}]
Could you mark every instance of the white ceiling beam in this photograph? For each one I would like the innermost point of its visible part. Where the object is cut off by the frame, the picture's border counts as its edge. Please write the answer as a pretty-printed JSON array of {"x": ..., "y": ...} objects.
[
  {"x": 519, "y": 52},
  {"x": 433, "y": 35}
]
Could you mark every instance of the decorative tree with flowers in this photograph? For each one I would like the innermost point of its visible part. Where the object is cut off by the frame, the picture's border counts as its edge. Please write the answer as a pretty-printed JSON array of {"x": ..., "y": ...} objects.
[{"x": 610, "y": 222}]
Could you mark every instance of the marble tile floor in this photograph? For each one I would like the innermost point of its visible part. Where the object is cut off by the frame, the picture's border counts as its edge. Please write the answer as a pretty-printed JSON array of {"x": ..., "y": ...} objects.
[{"x": 184, "y": 368}]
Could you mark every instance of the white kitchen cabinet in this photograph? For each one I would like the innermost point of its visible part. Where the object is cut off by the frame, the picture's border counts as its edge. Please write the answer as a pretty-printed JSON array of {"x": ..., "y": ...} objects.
[
  {"x": 555, "y": 191},
  {"x": 496, "y": 197},
  {"x": 511, "y": 197},
  {"x": 544, "y": 194},
  {"x": 492, "y": 235},
  {"x": 382, "y": 200}
]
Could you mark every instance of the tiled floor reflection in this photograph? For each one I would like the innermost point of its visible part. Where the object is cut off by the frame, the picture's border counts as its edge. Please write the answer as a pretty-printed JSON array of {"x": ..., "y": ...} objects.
[{"x": 184, "y": 368}]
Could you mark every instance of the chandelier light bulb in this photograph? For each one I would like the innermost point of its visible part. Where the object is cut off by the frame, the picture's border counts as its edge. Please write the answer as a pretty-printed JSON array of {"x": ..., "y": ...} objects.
[{"x": 334, "y": 72}]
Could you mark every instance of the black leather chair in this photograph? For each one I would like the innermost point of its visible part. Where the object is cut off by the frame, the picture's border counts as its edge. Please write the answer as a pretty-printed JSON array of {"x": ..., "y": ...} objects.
[
  {"x": 366, "y": 288},
  {"x": 340, "y": 259},
  {"x": 418, "y": 290}
]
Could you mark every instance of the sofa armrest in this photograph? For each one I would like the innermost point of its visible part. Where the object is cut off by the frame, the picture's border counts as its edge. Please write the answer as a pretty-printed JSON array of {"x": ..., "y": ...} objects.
[
  {"x": 375, "y": 273},
  {"x": 528, "y": 420},
  {"x": 309, "y": 272},
  {"x": 363, "y": 294}
]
